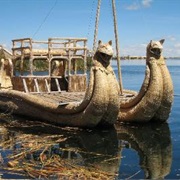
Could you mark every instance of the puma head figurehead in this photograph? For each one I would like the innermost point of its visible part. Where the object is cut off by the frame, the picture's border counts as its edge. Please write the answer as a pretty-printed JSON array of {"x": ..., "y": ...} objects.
[
  {"x": 104, "y": 53},
  {"x": 154, "y": 49}
]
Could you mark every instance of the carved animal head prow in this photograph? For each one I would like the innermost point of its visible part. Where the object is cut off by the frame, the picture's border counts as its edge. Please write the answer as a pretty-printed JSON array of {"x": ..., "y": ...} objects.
[
  {"x": 104, "y": 52},
  {"x": 154, "y": 48}
]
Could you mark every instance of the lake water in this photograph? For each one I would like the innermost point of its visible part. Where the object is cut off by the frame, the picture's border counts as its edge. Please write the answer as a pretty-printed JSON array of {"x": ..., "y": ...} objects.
[
  {"x": 163, "y": 138},
  {"x": 125, "y": 152}
]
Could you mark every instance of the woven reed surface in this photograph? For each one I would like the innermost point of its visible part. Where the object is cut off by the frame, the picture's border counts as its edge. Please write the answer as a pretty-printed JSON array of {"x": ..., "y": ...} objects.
[
  {"x": 65, "y": 97},
  {"x": 62, "y": 97}
]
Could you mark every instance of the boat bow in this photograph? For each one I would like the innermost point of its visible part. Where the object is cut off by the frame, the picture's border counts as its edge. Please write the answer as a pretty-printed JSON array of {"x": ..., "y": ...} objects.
[{"x": 155, "y": 98}]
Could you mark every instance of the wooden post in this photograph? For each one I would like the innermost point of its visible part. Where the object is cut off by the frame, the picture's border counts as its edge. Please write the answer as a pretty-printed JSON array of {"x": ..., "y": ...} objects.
[
  {"x": 117, "y": 47},
  {"x": 85, "y": 56},
  {"x": 22, "y": 59},
  {"x": 31, "y": 57},
  {"x": 96, "y": 26}
]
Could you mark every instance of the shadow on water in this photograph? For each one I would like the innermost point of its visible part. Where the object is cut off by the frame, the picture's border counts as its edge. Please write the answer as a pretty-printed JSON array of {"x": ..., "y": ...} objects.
[{"x": 37, "y": 150}]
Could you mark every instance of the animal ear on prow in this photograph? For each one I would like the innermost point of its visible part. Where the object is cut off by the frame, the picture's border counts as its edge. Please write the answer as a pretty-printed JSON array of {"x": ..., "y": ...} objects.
[
  {"x": 150, "y": 43},
  {"x": 99, "y": 42},
  {"x": 110, "y": 42},
  {"x": 162, "y": 41}
]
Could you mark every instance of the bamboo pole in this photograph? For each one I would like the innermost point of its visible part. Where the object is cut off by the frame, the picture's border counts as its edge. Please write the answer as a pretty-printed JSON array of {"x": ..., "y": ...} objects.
[{"x": 117, "y": 46}]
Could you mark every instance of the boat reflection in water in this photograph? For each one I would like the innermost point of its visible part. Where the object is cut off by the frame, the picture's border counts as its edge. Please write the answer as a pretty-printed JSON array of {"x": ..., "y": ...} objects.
[
  {"x": 153, "y": 145},
  {"x": 95, "y": 150}
]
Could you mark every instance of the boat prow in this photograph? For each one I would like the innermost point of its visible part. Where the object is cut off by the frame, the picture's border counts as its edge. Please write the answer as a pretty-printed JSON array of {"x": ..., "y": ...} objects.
[{"x": 155, "y": 98}]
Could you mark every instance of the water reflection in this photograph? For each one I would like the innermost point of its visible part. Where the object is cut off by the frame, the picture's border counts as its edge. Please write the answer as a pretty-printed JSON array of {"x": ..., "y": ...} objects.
[
  {"x": 98, "y": 150},
  {"x": 153, "y": 144}
]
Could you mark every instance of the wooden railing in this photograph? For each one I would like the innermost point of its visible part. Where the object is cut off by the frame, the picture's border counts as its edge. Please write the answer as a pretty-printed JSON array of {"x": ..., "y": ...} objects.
[
  {"x": 66, "y": 50},
  {"x": 53, "y": 47}
]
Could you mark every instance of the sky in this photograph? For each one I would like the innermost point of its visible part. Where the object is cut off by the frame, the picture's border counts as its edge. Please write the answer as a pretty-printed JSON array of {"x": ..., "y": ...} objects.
[{"x": 139, "y": 21}]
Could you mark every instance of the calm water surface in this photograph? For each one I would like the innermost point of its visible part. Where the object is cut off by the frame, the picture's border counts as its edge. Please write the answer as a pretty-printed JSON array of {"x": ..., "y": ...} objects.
[
  {"x": 166, "y": 141},
  {"x": 131, "y": 151}
]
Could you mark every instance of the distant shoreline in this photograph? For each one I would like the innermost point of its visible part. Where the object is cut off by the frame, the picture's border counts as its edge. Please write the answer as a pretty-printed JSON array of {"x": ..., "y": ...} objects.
[{"x": 142, "y": 58}]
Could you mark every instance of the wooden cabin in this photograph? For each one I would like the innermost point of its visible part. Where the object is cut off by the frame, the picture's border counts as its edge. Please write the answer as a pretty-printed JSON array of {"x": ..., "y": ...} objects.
[{"x": 49, "y": 66}]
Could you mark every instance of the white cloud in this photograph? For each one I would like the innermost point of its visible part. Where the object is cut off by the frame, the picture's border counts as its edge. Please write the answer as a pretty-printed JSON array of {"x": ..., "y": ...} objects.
[
  {"x": 169, "y": 50},
  {"x": 171, "y": 38},
  {"x": 172, "y": 46},
  {"x": 134, "y": 50},
  {"x": 146, "y": 3},
  {"x": 177, "y": 45},
  {"x": 143, "y": 45},
  {"x": 133, "y": 6},
  {"x": 136, "y": 6}
]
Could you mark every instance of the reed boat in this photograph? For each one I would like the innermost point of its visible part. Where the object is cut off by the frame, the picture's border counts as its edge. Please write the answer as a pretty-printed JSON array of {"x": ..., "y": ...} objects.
[
  {"x": 62, "y": 95},
  {"x": 59, "y": 95},
  {"x": 154, "y": 100}
]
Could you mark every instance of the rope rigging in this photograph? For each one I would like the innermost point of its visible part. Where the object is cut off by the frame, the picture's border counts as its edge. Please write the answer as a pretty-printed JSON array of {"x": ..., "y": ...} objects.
[
  {"x": 44, "y": 20},
  {"x": 117, "y": 46},
  {"x": 90, "y": 19},
  {"x": 96, "y": 34},
  {"x": 96, "y": 26},
  {"x": 116, "y": 38}
]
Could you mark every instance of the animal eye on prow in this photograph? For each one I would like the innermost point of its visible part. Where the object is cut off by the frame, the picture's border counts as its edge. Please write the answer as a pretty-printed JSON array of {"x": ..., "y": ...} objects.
[
  {"x": 156, "y": 51},
  {"x": 106, "y": 56}
]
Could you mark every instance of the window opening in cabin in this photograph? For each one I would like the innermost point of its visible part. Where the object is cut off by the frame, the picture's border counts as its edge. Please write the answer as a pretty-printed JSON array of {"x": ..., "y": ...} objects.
[
  {"x": 77, "y": 66},
  {"x": 40, "y": 67},
  {"x": 22, "y": 67}
]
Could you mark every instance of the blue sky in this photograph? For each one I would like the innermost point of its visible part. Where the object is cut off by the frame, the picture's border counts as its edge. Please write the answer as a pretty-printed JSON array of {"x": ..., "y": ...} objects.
[{"x": 139, "y": 21}]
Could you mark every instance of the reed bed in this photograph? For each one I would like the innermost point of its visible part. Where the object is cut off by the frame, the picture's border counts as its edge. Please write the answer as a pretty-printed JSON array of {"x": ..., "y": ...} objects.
[{"x": 40, "y": 156}]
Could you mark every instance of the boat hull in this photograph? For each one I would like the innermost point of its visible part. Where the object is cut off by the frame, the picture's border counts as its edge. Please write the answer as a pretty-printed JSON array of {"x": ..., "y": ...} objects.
[{"x": 99, "y": 106}]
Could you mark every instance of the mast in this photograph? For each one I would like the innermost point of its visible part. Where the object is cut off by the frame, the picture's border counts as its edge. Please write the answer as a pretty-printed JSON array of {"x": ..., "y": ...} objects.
[
  {"x": 96, "y": 26},
  {"x": 116, "y": 39},
  {"x": 117, "y": 46}
]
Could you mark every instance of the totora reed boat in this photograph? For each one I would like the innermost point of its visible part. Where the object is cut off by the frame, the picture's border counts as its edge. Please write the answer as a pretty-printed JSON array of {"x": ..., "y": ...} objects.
[
  {"x": 50, "y": 83},
  {"x": 58, "y": 97}
]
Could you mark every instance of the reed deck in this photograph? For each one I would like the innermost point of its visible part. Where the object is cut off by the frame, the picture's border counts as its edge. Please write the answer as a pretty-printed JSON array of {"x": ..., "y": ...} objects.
[{"x": 63, "y": 98}]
